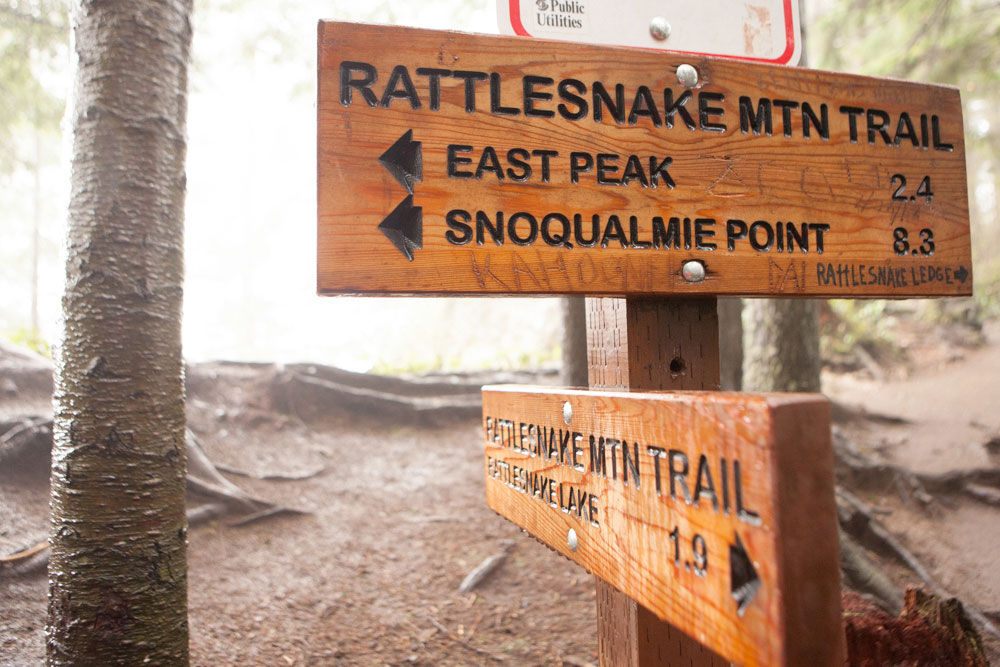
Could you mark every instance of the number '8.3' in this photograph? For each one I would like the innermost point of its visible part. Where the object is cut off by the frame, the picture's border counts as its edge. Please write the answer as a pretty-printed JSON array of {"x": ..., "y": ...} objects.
[{"x": 901, "y": 242}]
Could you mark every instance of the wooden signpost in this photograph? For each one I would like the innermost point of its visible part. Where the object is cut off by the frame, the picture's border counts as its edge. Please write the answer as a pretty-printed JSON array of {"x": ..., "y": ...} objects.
[
  {"x": 469, "y": 164},
  {"x": 714, "y": 511}
]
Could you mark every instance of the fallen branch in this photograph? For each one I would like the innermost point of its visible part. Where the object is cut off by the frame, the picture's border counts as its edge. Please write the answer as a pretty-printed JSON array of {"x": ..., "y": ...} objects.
[
  {"x": 486, "y": 568},
  {"x": 24, "y": 554},
  {"x": 30, "y": 434}
]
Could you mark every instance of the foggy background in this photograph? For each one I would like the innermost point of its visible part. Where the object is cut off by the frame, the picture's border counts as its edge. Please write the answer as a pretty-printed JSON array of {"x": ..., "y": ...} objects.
[{"x": 251, "y": 211}]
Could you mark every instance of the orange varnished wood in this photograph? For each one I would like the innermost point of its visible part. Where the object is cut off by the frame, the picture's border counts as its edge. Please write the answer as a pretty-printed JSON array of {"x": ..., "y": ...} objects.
[
  {"x": 718, "y": 175},
  {"x": 783, "y": 447},
  {"x": 649, "y": 344}
]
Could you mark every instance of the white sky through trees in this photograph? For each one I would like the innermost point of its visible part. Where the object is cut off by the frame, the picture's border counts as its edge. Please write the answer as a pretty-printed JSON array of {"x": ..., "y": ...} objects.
[{"x": 251, "y": 222}]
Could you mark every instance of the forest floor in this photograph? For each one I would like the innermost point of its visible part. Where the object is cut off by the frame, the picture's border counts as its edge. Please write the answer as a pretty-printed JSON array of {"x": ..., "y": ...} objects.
[{"x": 397, "y": 517}]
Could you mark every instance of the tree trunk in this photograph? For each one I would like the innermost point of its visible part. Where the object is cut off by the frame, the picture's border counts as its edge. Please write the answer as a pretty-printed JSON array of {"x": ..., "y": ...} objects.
[
  {"x": 781, "y": 336},
  {"x": 118, "y": 568},
  {"x": 574, "y": 346},
  {"x": 731, "y": 343},
  {"x": 781, "y": 345}
]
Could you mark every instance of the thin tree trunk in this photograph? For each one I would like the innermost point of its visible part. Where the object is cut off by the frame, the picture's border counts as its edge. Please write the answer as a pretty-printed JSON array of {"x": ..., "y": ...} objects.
[
  {"x": 574, "y": 341},
  {"x": 731, "y": 343},
  {"x": 781, "y": 345},
  {"x": 36, "y": 233},
  {"x": 118, "y": 568},
  {"x": 781, "y": 336}
]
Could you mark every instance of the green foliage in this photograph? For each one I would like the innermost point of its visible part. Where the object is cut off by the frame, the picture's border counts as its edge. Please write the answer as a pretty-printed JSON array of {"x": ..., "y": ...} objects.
[
  {"x": 954, "y": 42},
  {"x": 945, "y": 41},
  {"x": 34, "y": 37},
  {"x": 987, "y": 288},
  {"x": 29, "y": 338},
  {"x": 857, "y": 322}
]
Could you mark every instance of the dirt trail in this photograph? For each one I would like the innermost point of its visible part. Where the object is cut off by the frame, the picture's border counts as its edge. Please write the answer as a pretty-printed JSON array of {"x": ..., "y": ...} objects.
[
  {"x": 949, "y": 410},
  {"x": 952, "y": 410},
  {"x": 398, "y": 518}
]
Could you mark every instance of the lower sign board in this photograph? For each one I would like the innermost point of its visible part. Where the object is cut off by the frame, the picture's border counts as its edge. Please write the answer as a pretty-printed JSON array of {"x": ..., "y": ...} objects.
[
  {"x": 715, "y": 511},
  {"x": 471, "y": 164}
]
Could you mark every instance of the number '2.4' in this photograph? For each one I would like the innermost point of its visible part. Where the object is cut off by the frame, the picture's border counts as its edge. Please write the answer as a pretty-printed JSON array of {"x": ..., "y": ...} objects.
[
  {"x": 923, "y": 190},
  {"x": 901, "y": 242}
]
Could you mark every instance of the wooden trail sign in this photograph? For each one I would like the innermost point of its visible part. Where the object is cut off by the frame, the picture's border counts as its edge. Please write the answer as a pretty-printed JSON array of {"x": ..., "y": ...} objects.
[
  {"x": 451, "y": 163},
  {"x": 713, "y": 510}
]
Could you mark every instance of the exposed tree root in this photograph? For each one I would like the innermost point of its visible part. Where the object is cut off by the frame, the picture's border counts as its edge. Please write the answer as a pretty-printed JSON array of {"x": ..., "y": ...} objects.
[
  {"x": 858, "y": 521},
  {"x": 29, "y": 438},
  {"x": 862, "y": 574},
  {"x": 271, "y": 476},
  {"x": 865, "y": 474}
]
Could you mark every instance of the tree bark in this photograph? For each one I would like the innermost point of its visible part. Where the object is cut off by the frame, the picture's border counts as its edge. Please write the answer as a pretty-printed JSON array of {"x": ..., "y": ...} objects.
[
  {"x": 574, "y": 346},
  {"x": 781, "y": 336},
  {"x": 118, "y": 568},
  {"x": 731, "y": 343},
  {"x": 781, "y": 345}
]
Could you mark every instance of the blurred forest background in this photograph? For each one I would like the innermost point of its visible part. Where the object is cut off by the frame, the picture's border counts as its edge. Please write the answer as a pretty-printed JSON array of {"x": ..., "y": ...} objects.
[{"x": 250, "y": 231}]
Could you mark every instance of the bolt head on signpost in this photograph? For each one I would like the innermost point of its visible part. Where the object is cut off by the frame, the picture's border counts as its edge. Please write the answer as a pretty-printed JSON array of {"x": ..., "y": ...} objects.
[
  {"x": 687, "y": 75},
  {"x": 659, "y": 28}
]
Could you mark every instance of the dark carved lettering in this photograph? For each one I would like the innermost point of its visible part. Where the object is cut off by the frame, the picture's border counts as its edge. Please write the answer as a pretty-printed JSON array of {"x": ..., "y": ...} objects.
[
  {"x": 574, "y": 98},
  {"x": 400, "y": 76},
  {"x": 362, "y": 85},
  {"x": 458, "y": 221},
  {"x": 434, "y": 75},
  {"x": 705, "y": 112},
  {"x": 671, "y": 108},
  {"x": 470, "y": 79},
  {"x": 531, "y": 96},
  {"x": 759, "y": 123},
  {"x": 454, "y": 160},
  {"x": 679, "y": 468},
  {"x": 602, "y": 100}
]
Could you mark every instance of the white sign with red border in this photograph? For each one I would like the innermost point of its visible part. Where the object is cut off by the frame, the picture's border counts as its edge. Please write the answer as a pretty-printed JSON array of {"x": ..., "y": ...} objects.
[{"x": 764, "y": 31}]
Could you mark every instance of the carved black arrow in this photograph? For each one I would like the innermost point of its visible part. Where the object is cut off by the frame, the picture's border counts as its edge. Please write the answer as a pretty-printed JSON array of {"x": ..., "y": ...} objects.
[
  {"x": 405, "y": 227},
  {"x": 405, "y": 161},
  {"x": 745, "y": 582},
  {"x": 962, "y": 273}
]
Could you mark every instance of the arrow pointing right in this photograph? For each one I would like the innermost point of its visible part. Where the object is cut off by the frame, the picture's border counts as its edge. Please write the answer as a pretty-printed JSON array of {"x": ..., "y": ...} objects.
[
  {"x": 962, "y": 273},
  {"x": 405, "y": 227},
  {"x": 745, "y": 582}
]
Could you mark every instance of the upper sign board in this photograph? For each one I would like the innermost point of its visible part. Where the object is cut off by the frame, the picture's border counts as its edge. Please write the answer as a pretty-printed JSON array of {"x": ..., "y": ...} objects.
[
  {"x": 761, "y": 31},
  {"x": 468, "y": 164},
  {"x": 714, "y": 511}
]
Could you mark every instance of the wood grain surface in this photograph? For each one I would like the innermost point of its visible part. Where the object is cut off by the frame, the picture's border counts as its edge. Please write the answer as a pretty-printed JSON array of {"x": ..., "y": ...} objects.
[
  {"x": 649, "y": 344},
  {"x": 433, "y": 147},
  {"x": 739, "y": 474}
]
